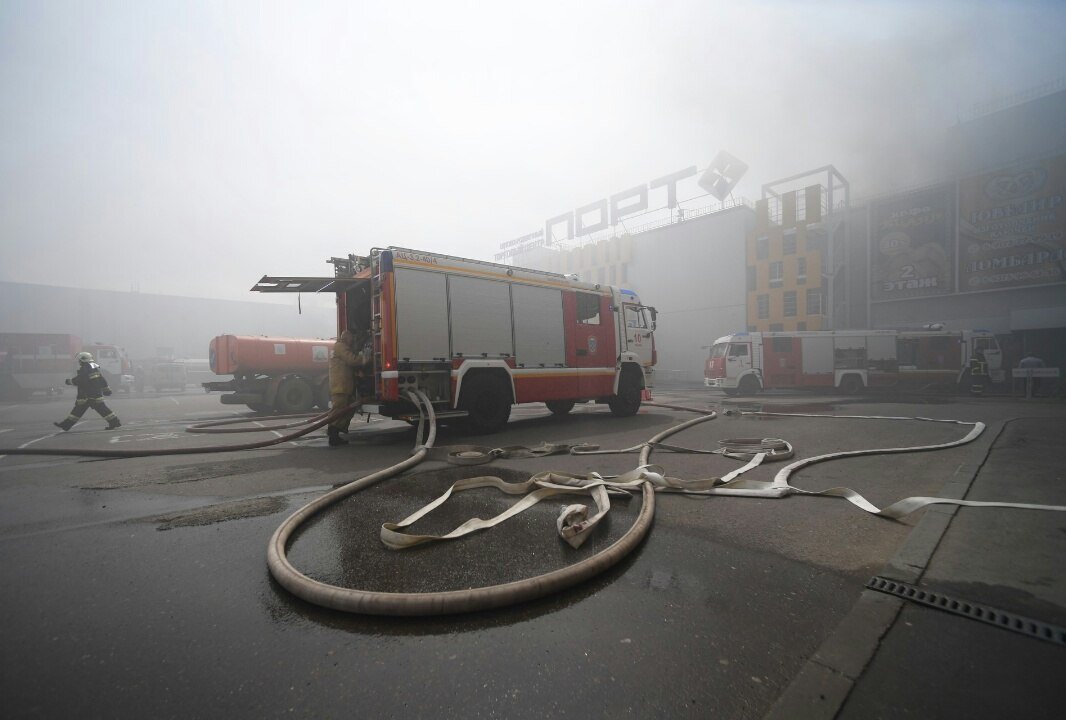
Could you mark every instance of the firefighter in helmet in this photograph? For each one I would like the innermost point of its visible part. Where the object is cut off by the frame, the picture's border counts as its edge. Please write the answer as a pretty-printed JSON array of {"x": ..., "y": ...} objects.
[
  {"x": 346, "y": 362},
  {"x": 91, "y": 385}
]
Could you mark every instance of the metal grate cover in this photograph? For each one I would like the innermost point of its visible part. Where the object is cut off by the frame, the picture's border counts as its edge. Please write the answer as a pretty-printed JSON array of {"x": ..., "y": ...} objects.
[{"x": 974, "y": 611}]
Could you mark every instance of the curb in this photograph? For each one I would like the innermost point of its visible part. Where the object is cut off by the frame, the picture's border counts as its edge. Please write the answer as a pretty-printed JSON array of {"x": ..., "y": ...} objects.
[{"x": 828, "y": 677}]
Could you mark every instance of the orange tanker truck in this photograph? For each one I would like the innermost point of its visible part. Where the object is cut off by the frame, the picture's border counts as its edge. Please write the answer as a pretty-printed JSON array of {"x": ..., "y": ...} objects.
[{"x": 271, "y": 374}]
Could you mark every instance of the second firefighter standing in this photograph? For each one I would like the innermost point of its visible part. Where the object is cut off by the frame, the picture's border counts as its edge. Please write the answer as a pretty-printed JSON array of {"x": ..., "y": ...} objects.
[{"x": 350, "y": 355}]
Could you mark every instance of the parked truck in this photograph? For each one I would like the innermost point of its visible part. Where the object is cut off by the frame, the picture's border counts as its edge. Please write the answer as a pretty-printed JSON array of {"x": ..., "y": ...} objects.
[
  {"x": 160, "y": 374},
  {"x": 286, "y": 375},
  {"x": 35, "y": 362},
  {"x": 40, "y": 362},
  {"x": 853, "y": 360},
  {"x": 478, "y": 337}
]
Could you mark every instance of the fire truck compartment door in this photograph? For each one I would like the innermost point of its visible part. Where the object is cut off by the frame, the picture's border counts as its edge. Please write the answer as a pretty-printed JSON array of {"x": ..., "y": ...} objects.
[
  {"x": 817, "y": 355},
  {"x": 421, "y": 315},
  {"x": 538, "y": 326},
  {"x": 480, "y": 317}
]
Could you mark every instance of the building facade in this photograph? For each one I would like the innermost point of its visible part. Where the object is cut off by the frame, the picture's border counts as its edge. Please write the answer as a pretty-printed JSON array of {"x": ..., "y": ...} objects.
[
  {"x": 690, "y": 270},
  {"x": 148, "y": 325},
  {"x": 984, "y": 249},
  {"x": 786, "y": 263}
]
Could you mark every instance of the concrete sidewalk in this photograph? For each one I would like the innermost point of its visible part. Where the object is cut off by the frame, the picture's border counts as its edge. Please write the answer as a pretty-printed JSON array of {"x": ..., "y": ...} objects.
[{"x": 892, "y": 657}]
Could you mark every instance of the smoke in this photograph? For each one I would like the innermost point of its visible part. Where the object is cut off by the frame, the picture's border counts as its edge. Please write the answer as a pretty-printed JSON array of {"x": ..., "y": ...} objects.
[{"x": 189, "y": 149}]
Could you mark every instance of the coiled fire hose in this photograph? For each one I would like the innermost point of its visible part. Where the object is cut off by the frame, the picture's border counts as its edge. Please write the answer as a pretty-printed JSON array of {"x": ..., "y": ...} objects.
[
  {"x": 451, "y": 601},
  {"x": 574, "y": 522}
]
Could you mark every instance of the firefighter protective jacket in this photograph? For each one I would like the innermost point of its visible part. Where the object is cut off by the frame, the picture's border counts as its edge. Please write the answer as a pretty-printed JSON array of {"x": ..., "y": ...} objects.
[
  {"x": 343, "y": 364},
  {"x": 89, "y": 381}
]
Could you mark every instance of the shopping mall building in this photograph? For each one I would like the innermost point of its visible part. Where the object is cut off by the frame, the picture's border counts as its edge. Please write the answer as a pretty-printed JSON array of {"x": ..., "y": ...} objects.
[{"x": 979, "y": 248}]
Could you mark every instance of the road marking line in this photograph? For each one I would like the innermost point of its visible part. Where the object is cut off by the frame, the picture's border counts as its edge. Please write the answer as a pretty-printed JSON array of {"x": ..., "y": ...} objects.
[{"x": 171, "y": 398}]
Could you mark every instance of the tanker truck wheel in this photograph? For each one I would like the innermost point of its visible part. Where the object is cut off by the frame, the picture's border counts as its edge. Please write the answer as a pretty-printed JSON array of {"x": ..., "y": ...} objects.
[{"x": 294, "y": 396}]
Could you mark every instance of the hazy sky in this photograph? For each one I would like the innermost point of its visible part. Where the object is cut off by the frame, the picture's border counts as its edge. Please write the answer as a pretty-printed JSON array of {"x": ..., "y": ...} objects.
[{"x": 187, "y": 148}]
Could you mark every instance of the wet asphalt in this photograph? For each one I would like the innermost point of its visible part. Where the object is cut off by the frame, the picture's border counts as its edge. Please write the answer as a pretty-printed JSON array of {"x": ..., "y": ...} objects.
[{"x": 139, "y": 587}]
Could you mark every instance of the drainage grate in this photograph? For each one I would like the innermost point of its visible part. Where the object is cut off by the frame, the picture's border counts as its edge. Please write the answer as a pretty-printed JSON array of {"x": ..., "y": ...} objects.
[{"x": 974, "y": 611}]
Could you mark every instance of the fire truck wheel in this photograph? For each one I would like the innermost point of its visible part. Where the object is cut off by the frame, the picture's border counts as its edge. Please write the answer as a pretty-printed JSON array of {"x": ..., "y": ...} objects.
[
  {"x": 851, "y": 385},
  {"x": 560, "y": 407},
  {"x": 294, "y": 396},
  {"x": 627, "y": 401},
  {"x": 748, "y": 386},
  {"x": 487, "y": 403}
]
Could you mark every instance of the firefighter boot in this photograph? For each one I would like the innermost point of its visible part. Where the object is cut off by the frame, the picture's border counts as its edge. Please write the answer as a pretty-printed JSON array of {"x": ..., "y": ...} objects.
[
  {"x": 64, "y": 426},
  {"x": 335, "y": 438},
  {"x": 113, "y": 423}
]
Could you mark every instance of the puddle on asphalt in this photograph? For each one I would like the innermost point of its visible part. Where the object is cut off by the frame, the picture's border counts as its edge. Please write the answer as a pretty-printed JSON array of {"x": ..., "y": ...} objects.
[{"x": 255, "y": 507}]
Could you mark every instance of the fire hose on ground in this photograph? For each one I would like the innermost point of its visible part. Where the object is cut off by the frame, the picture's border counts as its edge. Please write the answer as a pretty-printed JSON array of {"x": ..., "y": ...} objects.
[
  {"x": 314, "y": 422},
  {"x": 573, "y": 524}
]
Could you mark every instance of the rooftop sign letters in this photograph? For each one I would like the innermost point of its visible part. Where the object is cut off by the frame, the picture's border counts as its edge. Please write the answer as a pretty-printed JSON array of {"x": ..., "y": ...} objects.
[{"x": 596, "y": 216}]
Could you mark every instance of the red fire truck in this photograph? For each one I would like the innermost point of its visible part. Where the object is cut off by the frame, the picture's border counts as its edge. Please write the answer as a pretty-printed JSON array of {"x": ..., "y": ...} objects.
[
  {"x": 477, "y": 337},
  {"x": 852, "y": 360},
  {"x": 288, "y": 375}
]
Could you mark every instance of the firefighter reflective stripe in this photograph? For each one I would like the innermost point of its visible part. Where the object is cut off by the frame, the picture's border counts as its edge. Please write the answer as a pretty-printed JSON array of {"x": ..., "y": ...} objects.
[{"x": 83, "y": 404}]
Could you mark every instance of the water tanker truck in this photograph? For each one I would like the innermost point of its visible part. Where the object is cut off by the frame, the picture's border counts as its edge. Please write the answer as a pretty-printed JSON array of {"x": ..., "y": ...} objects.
[{"x": 271, "y": 374}]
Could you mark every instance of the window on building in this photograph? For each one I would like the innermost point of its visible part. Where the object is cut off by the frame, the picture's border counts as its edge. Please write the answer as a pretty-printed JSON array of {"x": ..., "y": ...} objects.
[
  {"x": 801, "y": 270},
  {"x": 814, "y": 301},
  {"x": 601, "y": 275},
  {"x": 816, "y": 239},
  {"x": 788, "y": 243},
  {"x": 614, "y": 275},
  {"x": 801, "y": 325},
  {"x": 790, "y": 303},
  {"x": 777, "y": 327},
  {"x": 762, "y": 248},
  {"x": 625, "y": 275},
  {"x": 764, "y": 307},
  {"x": 777, "y": 273},
  {"x": 588, "y": 308},
  {"x": 751, "y": 279}
]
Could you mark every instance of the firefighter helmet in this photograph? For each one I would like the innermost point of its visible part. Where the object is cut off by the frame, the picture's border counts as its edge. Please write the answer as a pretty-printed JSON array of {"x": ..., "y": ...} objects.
[{"x": 85, "y": 357}]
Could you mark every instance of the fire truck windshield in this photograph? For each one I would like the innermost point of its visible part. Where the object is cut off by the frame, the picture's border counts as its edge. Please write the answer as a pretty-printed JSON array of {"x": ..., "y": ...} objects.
[{"x": 718, "y": 350}]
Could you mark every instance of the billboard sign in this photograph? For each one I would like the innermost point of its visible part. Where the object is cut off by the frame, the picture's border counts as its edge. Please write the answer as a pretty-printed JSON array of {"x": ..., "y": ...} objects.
[
  {"x": 912, "y": 244},
  {"x": 1011, "y": 225}
]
